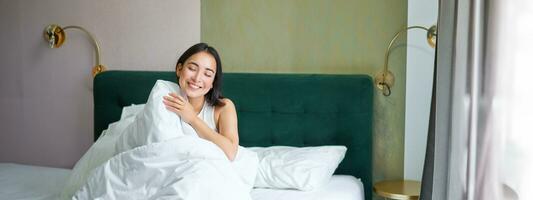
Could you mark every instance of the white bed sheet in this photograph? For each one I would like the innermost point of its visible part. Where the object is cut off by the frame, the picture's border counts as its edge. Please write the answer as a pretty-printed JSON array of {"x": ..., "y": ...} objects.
[
  {"x": 26, "y": 182},
  {"x": 340, "y": 187}
]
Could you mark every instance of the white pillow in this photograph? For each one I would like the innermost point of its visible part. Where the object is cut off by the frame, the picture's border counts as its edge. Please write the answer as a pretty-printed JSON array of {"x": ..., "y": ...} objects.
[
  {"x": 98, "y": 153},
  {"x": 154, "y": 123},
  {"x": 246, "y": 165},
  {"x": 132, "y": 110},
  {"x": 304, "y": 168}
]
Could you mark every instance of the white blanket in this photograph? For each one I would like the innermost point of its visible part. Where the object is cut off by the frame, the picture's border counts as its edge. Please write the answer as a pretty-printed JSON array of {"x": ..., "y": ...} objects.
[
  {"x": 181, "y": 168},
  {"x": 158, "y": 157}
]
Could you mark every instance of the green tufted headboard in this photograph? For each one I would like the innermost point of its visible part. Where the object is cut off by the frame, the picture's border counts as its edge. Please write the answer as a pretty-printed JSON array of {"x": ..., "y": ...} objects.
[{"x": 272, "y": 109}]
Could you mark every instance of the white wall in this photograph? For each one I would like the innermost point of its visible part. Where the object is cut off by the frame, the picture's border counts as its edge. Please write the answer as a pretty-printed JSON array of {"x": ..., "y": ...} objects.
[
  {"x": 46, "y": 107},
  {"x": 419, "y": 79}
]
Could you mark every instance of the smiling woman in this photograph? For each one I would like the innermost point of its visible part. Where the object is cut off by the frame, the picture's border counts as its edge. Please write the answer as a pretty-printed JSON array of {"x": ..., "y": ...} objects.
[{"x": 213, "y": 117}]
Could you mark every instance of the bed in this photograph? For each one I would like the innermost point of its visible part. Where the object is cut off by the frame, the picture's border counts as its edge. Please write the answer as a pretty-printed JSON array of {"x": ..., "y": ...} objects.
[{"x": 305, "y": 110}]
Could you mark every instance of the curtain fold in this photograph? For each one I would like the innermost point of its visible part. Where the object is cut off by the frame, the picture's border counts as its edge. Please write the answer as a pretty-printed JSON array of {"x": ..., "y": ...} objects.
[
  {"x": 464, "y": 135},
  {"x": 427, "y": 174}
]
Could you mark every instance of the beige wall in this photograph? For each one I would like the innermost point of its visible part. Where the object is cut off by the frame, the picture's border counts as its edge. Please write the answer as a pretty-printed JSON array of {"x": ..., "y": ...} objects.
[
  {"x": 316, "y": 36},
  {"x": 46, "y": 107}
]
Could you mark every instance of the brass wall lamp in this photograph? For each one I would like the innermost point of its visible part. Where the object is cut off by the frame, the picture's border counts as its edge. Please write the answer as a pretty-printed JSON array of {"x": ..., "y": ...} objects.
[
  {"x": 55, "y": 36},
  {"x": 384, "y": 80}
]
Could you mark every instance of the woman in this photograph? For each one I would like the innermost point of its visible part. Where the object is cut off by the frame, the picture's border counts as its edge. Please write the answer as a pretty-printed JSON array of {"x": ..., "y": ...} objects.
[{"x": 212, "y": 116}]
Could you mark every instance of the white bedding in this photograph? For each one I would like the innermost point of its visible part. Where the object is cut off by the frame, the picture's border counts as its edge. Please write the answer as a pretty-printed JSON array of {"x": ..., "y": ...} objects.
[
  {"x": 181, "y": 168},
  {"x": 24, "y": 182},
  {"x": 340, "y": 187},
  {"x": 158, "y": 156}
]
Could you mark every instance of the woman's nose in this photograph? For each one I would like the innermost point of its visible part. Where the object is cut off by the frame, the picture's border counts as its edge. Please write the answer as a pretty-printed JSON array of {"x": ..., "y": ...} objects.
[{"x": 196, "y": 76}]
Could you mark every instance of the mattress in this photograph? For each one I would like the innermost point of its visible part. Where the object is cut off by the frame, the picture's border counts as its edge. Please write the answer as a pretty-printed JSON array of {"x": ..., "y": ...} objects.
[
  {"x": 340, "y": 187},
  {"x": 25, "y": 182}
]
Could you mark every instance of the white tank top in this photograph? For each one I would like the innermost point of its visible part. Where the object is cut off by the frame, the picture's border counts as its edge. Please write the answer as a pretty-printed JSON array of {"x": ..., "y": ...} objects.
[{"x": 208, "y": 115}]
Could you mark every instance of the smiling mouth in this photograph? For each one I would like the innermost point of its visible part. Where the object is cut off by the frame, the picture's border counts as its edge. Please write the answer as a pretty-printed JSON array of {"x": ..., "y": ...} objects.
[{"x": 194, "y": 86}]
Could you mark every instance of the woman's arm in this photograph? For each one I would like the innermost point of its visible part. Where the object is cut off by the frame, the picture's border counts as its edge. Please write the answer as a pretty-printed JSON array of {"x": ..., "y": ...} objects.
[{"x": 227, "y": 138}]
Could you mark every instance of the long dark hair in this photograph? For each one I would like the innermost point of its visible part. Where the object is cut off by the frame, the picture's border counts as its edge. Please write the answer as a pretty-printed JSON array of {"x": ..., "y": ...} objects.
[{"x": 215, "y": 94}]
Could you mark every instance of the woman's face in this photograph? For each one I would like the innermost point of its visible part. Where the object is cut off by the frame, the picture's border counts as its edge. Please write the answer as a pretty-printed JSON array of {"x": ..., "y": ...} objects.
[{"x": 197, "y": 74}]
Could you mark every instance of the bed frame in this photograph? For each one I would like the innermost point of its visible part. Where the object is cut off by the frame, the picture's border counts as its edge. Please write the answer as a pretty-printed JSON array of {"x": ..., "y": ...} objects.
[{"x": 272, "y": 109}]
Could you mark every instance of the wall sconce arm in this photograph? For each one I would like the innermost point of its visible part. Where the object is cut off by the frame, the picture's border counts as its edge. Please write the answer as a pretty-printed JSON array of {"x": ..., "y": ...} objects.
[
  {"x": 384, "y": 80},
  {"x": 55, "y": 36}
]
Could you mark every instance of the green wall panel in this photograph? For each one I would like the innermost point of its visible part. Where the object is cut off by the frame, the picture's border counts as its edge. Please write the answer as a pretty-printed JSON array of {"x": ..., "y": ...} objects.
[{"x": 324, "y": 37}]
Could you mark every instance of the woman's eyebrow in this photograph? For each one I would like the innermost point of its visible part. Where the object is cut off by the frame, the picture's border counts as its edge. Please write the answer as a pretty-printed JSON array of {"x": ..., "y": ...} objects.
[{"x": 192, "y": 62}]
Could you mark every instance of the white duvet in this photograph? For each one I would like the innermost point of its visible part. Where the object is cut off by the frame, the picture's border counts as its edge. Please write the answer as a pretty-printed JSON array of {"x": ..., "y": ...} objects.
[
  {"x": 181, "y": 168},
  {"x": 154, "y": 156}
]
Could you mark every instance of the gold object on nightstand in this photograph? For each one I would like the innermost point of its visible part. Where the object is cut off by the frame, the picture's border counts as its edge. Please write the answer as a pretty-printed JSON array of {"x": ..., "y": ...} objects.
[{"x": 400, "y": 189}]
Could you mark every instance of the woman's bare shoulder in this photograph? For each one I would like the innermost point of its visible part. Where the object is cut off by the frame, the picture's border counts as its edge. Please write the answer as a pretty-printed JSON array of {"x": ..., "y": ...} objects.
[
  {"x": 227, "y": 107},
  {"x": 226, "y": 104}
]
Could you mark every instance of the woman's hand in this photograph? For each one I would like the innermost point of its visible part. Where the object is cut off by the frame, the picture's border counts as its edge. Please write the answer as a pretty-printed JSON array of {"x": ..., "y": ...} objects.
[{"x": 180, "y": 106}]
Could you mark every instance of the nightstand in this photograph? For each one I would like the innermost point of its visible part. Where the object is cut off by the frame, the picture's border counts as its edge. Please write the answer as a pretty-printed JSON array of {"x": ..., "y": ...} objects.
[{"x": 399, "y": 189}]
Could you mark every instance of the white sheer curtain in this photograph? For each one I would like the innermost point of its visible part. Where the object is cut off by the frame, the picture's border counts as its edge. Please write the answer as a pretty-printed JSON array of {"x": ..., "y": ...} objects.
[
  {"x": 512, "y": 118},
  {"x": 504, "y": 154}
]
